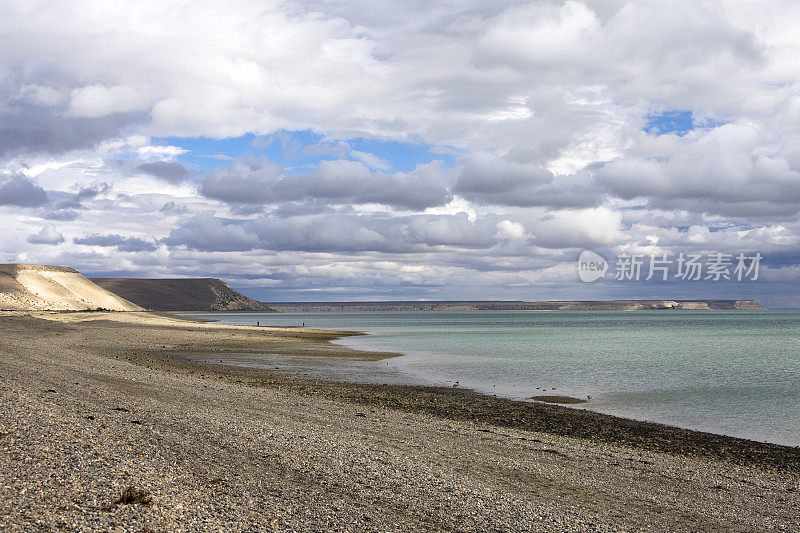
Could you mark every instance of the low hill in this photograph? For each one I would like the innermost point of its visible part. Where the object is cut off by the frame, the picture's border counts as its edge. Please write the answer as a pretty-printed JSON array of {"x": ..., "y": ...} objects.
[
  {"x": 599, "y": 305},
  {"x": 190, "y": 294},
  {"x": 38, "y": 288}
]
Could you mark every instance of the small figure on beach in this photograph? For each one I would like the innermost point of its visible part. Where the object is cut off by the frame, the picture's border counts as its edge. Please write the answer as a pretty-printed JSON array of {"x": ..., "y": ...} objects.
[{"x": 455, "y": 385}]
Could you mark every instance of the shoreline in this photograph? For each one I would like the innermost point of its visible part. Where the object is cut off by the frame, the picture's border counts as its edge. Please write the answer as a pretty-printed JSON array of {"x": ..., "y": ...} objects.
[
  {"x": 409, "y": 373},
  {"x": 317, "y": 371},
  {"x": 462, "y": 403},
  {"x": 130, "y": 373}
]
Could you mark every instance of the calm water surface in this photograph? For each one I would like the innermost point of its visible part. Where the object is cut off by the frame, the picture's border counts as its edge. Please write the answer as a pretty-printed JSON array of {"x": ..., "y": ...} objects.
[{"x": 735, "y": 373}]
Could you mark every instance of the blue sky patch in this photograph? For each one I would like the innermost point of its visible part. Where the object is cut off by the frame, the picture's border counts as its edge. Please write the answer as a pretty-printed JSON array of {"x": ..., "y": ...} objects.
[
  {"x": 677, "y": 122},
  {"x": 299, "y": 152}
]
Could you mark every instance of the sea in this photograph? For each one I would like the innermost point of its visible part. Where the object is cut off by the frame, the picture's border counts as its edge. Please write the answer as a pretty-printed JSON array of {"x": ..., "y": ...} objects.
[{"x": 734, "y": 373}]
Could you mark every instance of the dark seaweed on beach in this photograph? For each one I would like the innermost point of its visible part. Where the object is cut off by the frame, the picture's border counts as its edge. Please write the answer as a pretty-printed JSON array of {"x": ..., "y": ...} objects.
[{"x": 131, "y": 495}]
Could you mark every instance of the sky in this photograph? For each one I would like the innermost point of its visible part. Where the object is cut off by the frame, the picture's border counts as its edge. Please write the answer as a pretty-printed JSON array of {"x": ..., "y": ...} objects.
[{"x": 352, "y": 150}]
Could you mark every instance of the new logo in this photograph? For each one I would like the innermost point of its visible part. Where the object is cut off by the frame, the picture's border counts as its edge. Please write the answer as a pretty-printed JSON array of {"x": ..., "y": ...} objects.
[{"x": 591, "y": 266}]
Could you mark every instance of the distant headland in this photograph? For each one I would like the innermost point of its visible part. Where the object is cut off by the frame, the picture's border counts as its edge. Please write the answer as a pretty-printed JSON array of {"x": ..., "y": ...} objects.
[{"x": 182, "y": 294}]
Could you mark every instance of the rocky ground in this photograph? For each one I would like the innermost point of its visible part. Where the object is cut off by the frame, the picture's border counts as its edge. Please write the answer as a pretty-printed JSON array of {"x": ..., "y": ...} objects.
[{"x": 93, "y": 404}]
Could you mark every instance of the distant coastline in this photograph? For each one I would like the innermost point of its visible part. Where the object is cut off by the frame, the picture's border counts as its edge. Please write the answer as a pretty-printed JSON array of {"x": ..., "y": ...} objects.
[
  {"x": 571, "y": 305},
  {"x": 42, "y": 287}
]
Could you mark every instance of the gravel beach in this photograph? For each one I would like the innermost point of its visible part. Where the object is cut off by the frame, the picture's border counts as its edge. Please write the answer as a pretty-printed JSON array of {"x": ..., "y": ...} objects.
[{"x": 96, "y": 403}]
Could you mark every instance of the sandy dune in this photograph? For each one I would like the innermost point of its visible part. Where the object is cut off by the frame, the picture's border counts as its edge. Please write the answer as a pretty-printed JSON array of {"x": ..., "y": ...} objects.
[{"x": 38, "y": 287}]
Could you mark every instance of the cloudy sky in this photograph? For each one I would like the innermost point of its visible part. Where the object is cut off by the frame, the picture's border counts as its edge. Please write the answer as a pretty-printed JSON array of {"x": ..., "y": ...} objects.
[{"x": 341, "y": 150}]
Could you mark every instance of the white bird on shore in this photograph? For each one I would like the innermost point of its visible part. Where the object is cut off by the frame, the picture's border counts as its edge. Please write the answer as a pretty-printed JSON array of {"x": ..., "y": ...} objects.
[{"x": 455, "y": 384}]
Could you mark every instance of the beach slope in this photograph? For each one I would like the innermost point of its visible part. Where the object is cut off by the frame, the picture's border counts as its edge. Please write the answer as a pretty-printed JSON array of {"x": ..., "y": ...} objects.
[{"x": 106, "y": 424}]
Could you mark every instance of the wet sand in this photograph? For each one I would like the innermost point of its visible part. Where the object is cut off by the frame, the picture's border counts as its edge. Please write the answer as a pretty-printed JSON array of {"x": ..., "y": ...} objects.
[{"x": 93, "y": 403}]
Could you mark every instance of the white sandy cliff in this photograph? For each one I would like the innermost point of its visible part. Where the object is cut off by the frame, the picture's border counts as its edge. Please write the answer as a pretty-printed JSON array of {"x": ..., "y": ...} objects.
[{"x": 38, "y": 287}]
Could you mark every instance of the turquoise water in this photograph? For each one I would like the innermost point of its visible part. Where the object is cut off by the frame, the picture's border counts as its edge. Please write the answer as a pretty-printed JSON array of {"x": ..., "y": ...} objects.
[{"x": 734, "y": 373}]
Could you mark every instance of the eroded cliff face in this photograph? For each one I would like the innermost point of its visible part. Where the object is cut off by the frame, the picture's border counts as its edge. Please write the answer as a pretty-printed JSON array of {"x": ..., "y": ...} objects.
[
  {"x": 25, "y": 287},
  {"x": 190, "y": 294}
]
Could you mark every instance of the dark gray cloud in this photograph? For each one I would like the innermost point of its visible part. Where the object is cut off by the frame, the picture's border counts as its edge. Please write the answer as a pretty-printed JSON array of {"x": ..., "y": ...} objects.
[
  {"x": 486, "y": 174},
  {"x": 336, "y": 232},
  {"x": 258, "y": 181},
  {"x": 352, "y": 182},
  {"x": 726, "y": 171},
  {"x": 35, "y": 115},
  {"x": 247, "y": 181},
  {"x": 208, "y": 233},
  {"x": 17, "y": 189},
  {"x": 41, "y": 131},
  {"x": 450, "y": 230},
  {"x": 490, "y": 180},
  {"x": 26, "y": 128},
  {"x": 169, "y": 171},
  {"x": 123, "y": 244}
]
